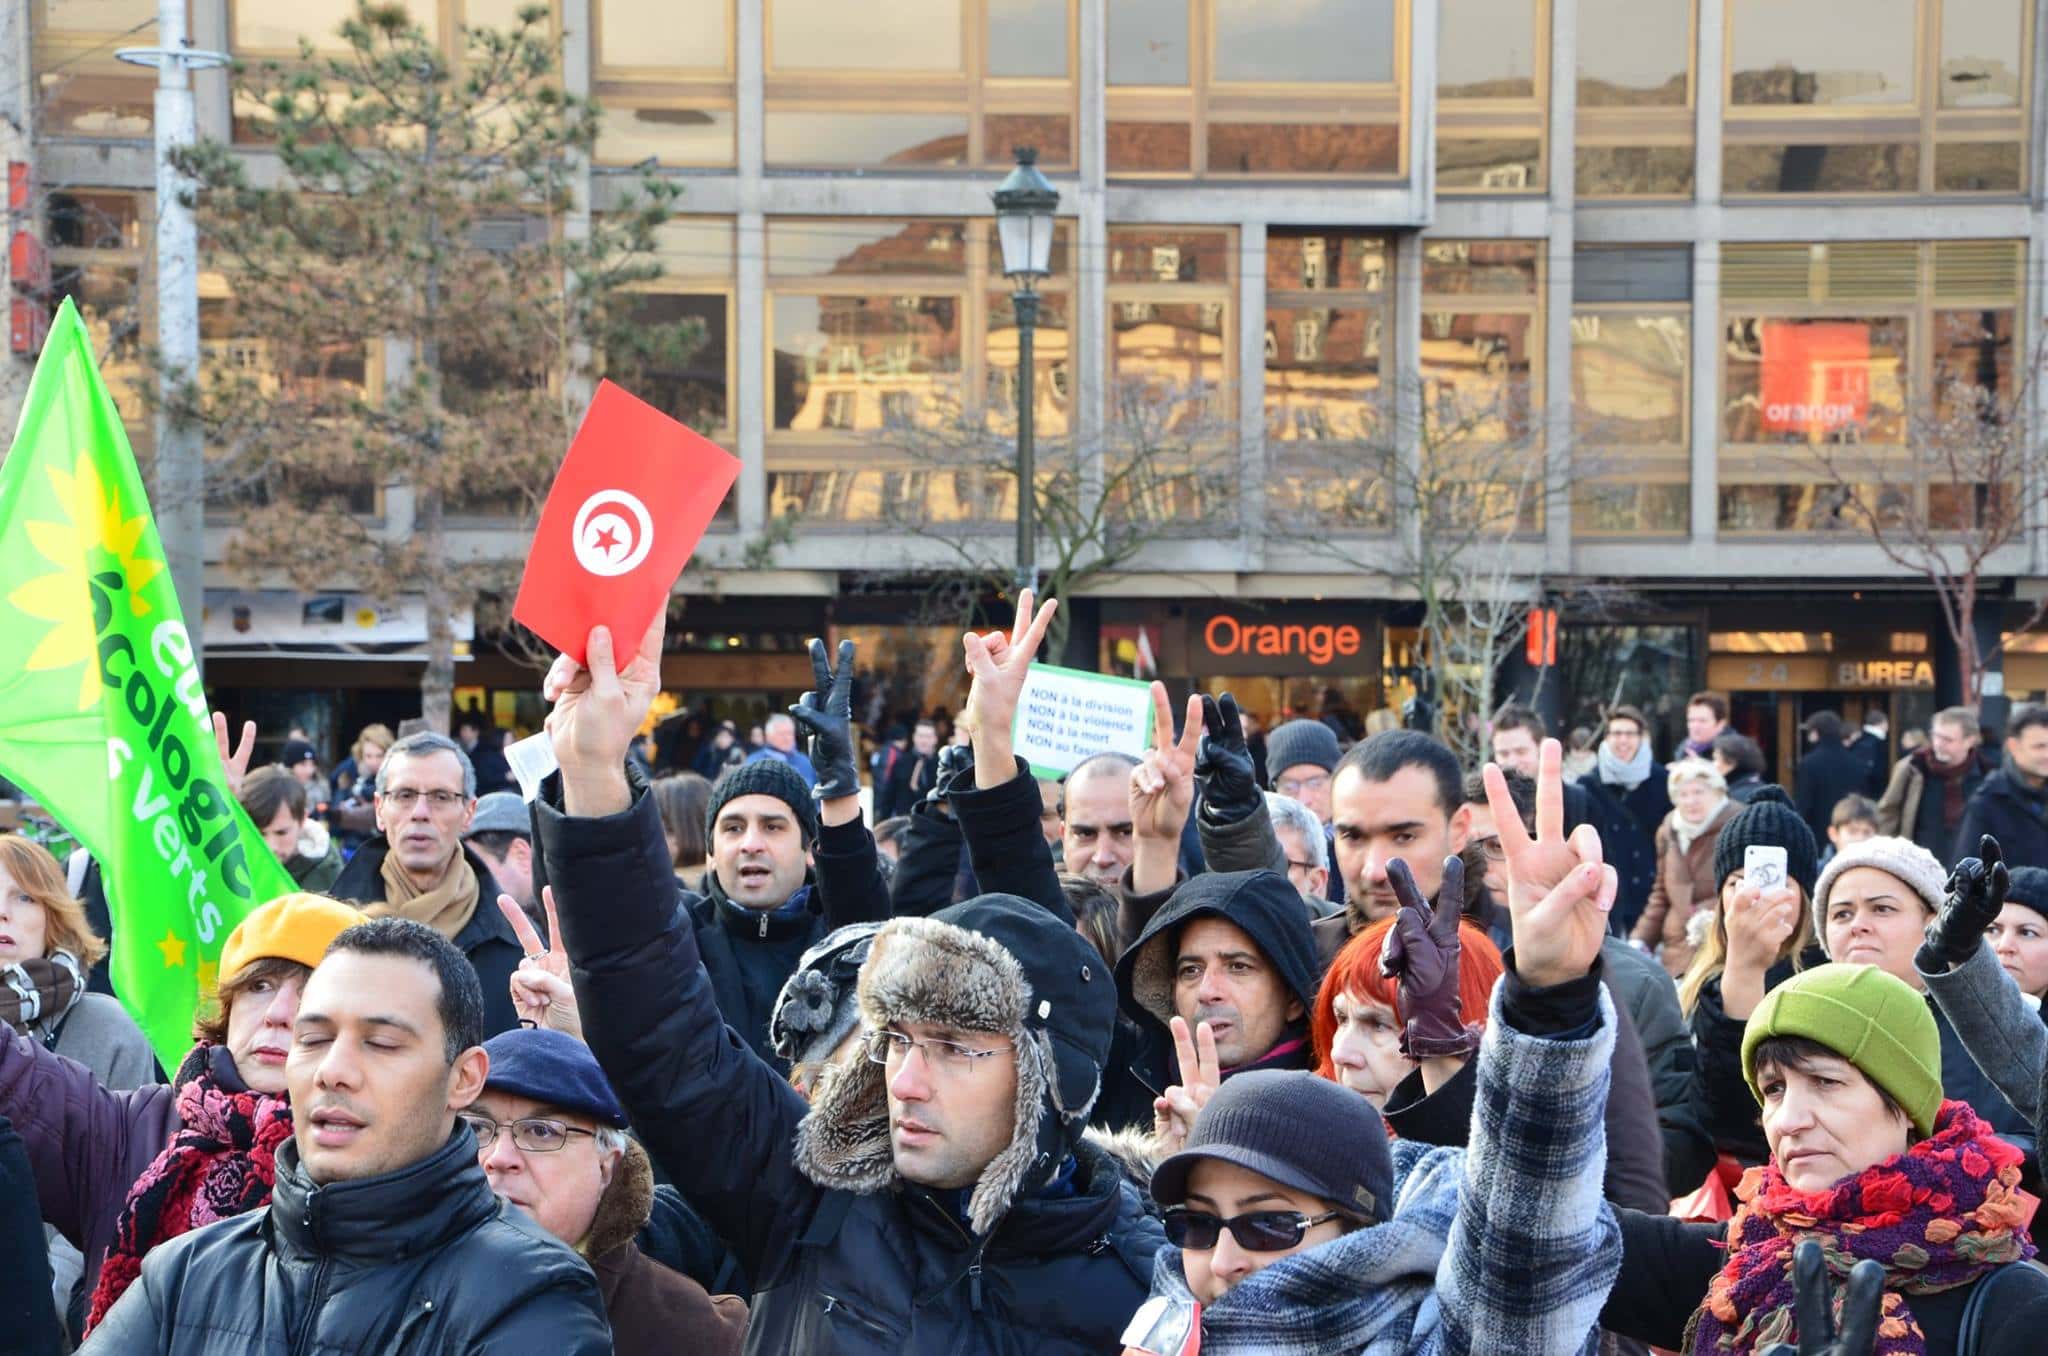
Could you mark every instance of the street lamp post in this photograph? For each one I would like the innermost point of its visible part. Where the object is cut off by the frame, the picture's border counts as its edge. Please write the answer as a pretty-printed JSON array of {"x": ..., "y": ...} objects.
[{"x": 1024, "y": 227}]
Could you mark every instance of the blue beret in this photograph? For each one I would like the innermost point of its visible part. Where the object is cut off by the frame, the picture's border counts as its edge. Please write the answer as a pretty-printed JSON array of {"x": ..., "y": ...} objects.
[{"x": 548, "y": 1066}]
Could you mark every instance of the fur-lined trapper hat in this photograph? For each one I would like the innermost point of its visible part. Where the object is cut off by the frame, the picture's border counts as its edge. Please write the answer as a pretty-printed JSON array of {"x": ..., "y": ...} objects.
[{"x": 997, "y": 964}]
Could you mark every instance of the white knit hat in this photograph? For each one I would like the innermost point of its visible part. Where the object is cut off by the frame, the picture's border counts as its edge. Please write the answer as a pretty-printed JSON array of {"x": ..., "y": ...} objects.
[{"x": 1920, "y": 870}]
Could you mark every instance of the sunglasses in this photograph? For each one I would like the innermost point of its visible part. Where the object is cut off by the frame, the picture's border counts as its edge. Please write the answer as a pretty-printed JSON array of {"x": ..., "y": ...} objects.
[{"x": 1256, "y": 1231}]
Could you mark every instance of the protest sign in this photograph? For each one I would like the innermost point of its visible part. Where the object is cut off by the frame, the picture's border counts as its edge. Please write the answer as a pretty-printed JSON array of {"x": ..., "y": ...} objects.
[
  {"x": 102, "y": 716},
  {"x": 628, "y": 506},
  {"x": 1065, "y": 716}
]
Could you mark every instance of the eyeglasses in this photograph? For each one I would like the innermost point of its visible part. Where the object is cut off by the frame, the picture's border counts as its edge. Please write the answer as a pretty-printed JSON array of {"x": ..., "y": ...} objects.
[
  {"x": 948, "y": 1057},
  {"x": 406, "y": 797},
  {"x": 533, "y": 1134},
  {"x": 1294, "y": 866},
  {"x": 1493, "y": 848},
  {"x": 1257, "y": 1231},
  {"x": 1294, "y": 786}
]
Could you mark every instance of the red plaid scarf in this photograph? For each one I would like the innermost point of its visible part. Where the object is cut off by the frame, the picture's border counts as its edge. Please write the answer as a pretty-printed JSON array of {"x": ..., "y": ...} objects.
[
  {"x": 219, "y": 1164},
  {"x": 1943, "y": 1214}
]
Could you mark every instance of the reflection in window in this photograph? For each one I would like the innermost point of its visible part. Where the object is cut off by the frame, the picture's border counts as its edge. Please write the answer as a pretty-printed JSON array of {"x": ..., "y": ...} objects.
[
  {"x": 1886, "y": 167},
  {"x": 1051, "y": 365},
  {"x": 1982, "y": 46},
  {"x": 685, "y": 380},
  {"x": 1311, "y": 148},
  {"x": 278, "y": 28},
  {"x": 1479, "y": 267},
  {"x": 1305, "y": 41},
  {"x": 920, "y": 35},
  {"x": 827, "y": 139},
  {"x": 672, "y": 136},
  {"x": 647, "y": 33},
  {"x": 1973, "y": 361},
  {"x": 1476, "y": 377},
  {"x": 851, "y": 363},
  {"x": 1149, "y": 147},
  {"x": 817, "y": 248},
  {"x": 1148, "y": 42},
  {"x": 1630, "y": 463},
  {"x": 1811, "y": 380},
  {"x": 1327, "y": 317},
  {"x": 1168, "y": 254},
  {"x": 1027, "y": 38},
  {"x": 1634, "y": 171},
  {"x": 1480, "y": 459},
  {"x": 1634, "y": 53},
  {"x": 1825, "y": 52},
  {"x": 1490, "y": 164},
  {"x": 1493, "y": 55}
]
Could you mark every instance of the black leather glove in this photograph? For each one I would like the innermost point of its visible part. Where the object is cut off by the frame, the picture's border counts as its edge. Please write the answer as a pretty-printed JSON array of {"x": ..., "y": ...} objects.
[
  {"x": 826, "y": 714},
  {"x": 956, "y": 773},
  {"x": 1814, "y": 1311},
  {"x": 1230, "y": 786},
  {"x": 1976, "y": 892}
]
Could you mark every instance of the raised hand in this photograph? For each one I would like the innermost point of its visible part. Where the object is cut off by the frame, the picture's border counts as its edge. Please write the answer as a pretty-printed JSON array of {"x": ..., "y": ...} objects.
[
  {"x": 599, "y": 706},
  {"x": 826, "y": 715},
  {"x": 541, "y": 992},
  {"x": 1976, "y": 892},
  {"x": 1201, "y": 1073},
  {"x": 235, "y": 764},
  {"x": 1560, "y": 891},
  {"x": 1230, "y": 786},
  {"x": 1759, "y": 926},
  {"x": 1421, "y": 955},
  {"x": 999, "y": 667},
  {"x": 1163, "y": 782},
  {"x": 956, "y": 772},
  {"x": 1814, "y": 1311}
]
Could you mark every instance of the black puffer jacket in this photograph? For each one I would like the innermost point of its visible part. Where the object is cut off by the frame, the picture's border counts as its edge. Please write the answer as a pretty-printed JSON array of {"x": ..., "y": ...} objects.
[
  {"x": 2010, "y": 811},
  {"x": 891, "y": 1270},
  {"x": 422, "y": 1260}
]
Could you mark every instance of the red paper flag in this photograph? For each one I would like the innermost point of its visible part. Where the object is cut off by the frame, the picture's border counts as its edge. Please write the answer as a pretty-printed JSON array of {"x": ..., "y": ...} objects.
[{"x": 628, "y": 506}]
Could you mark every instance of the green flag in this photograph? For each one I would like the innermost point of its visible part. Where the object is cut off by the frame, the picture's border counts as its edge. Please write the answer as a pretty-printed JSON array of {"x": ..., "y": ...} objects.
[{"x": 102, "y": 717}]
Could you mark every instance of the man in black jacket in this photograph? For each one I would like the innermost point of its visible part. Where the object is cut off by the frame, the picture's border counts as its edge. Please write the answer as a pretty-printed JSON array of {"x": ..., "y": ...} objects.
[
  {"x": 421, "y": 869},
  {"x": 382, "y": 1233},
  {"x": 1827, "y": 773},
  {"x": 935, "y": 1195},
  {"x": 2012, "y": 804}
]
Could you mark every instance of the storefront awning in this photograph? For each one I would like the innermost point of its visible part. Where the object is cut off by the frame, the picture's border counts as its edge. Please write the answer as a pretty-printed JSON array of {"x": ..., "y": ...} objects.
[{"x": 335, "y": 626}]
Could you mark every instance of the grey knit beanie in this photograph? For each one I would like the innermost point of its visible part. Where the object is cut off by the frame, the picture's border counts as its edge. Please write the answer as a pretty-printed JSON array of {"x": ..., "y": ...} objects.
[
  {"x": 1302, "y": 743},
  {"x": 1914, "y": 866}
]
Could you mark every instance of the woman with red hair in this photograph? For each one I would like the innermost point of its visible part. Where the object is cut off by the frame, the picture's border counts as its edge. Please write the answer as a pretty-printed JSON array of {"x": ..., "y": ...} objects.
[{"x": 1357, "y": 1022}]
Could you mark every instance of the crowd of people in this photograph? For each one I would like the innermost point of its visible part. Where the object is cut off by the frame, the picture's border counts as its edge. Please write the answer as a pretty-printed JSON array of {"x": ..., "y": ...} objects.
[{"x": 1246, "y": 1041}]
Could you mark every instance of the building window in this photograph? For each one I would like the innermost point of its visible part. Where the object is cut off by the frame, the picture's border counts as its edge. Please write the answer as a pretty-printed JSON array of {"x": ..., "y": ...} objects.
[
  {"x": 84, "y": 90},
  {"x": 1169, "y": 431},
  {"x": 943, "y": 83},
  {"x": 666, "y": 86},
  {"x": 1328, "y": 323},
  {"x": 1491, "y": 96},
  {"x": 1808, "y": 112},
  {"x": 682, "y": 357},
  {"x": 1480, "y": 457},
  {"x": 1827, "y": 353},
  {"x": 1631, "y": 416},
  {"x": 1236, "y": 88},
  {"x": 873, "y": 332},
  {"x": 1635, "y": 119}
]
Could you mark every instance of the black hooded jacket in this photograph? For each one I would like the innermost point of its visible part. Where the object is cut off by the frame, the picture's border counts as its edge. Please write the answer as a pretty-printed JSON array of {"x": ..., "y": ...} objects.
[
  {"x": 421, "y": 1260},
  {"x": 891, "y": 1268},
  {"x": 1267, "y": 909}
]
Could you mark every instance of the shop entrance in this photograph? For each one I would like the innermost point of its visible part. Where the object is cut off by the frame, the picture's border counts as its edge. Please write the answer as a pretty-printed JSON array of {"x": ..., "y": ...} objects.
[{"x": 1773, "y": 719}]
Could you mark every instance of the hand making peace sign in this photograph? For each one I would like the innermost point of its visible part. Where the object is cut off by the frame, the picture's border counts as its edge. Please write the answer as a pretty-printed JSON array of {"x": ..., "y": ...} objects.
[
  {"x": 1559, "y": 890},
  {"x": 541, "y": 992}
]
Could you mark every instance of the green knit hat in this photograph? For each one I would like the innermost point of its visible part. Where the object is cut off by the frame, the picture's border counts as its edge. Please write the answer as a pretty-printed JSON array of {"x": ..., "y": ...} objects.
[{"x": 1873, "y": 1020}]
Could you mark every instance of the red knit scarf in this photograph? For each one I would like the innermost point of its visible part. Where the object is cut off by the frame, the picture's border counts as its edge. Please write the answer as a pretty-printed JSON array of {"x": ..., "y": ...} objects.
[
  {"x": 1942, "y": 1214},
  {"x": 219, "y": 1164}
]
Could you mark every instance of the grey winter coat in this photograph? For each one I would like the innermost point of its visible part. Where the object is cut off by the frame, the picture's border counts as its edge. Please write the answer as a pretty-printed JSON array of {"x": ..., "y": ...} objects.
[{"x": 2002, "y": 1032}]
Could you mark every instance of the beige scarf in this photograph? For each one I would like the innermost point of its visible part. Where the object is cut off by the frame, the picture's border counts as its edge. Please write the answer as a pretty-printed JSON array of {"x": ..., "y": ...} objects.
[{"x": 447, "y": 908}]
